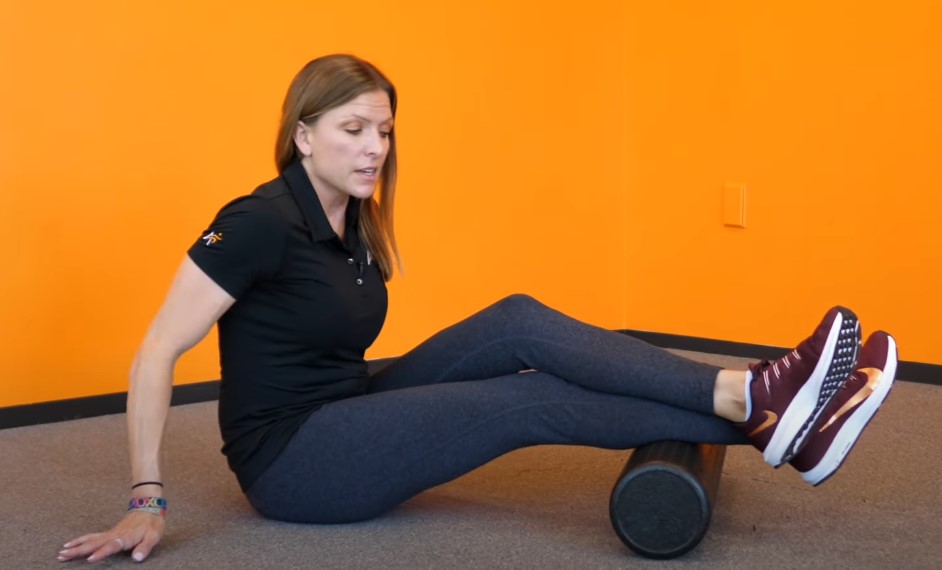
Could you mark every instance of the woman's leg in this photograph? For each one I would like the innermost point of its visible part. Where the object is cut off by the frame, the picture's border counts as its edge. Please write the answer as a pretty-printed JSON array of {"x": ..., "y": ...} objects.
[
  {"x": 357, "y": 458},
  {"x": 520, "y": 333}
]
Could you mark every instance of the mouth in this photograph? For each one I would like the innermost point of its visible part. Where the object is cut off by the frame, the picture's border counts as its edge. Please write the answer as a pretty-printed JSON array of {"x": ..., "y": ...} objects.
[{"x": 367, "y": 171}]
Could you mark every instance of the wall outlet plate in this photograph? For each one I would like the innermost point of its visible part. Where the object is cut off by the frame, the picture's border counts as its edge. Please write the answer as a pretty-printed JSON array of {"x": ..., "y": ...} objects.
[{"x": 734, "y": 205}]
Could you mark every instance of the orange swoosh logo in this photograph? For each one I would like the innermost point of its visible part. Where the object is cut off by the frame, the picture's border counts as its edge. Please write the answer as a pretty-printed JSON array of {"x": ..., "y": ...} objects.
[
  {"x": 770, "y": 419},
  {"x": 873, "y": 378}
]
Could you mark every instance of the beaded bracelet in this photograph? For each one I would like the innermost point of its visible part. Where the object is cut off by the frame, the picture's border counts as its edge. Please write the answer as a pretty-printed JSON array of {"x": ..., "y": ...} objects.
[{"x": 153, "y": 505}]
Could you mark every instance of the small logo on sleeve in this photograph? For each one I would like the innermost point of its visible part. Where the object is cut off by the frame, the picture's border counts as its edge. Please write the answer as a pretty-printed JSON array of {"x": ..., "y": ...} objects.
[{"x": 212, "y": 237}]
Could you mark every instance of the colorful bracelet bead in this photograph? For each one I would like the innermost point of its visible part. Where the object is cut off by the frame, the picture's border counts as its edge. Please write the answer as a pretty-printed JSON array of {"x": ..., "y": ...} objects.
[{"x": 153, "y": 505}]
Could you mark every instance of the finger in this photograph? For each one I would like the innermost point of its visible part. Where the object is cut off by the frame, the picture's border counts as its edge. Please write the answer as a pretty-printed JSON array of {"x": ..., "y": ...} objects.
[
  {"x": 81, "y": 546},
  {"x": 147, "y": 544},
  {"x": 77, "y": 541},
  {"x": 112, "y": 546}
]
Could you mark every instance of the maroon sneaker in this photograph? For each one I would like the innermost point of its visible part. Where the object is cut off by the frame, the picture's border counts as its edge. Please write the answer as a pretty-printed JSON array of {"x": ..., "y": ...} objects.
[
  {"x": 852, "y": 409},
  {"x": 789, "y": 394}
]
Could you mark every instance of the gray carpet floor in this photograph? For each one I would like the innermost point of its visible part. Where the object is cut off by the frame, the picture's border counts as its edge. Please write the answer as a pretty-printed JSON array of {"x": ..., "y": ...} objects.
[{"x": 542, "y": 507}]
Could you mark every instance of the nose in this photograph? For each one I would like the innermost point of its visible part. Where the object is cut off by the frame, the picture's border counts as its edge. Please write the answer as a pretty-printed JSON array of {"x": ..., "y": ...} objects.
[{"x": 376, "y": 144}]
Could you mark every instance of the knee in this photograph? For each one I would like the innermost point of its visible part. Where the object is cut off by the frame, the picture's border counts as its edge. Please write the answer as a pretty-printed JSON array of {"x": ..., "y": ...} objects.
[{"x": 518, "y": 304}]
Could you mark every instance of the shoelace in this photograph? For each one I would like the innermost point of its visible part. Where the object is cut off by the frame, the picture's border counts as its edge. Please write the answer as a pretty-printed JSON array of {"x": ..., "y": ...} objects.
[{"x": 762, "y": 368}]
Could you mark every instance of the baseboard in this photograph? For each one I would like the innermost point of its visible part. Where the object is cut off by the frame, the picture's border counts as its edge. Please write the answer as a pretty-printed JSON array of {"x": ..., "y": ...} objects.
[
  {"x": 106, "y": 404},
  {"x": 92, "y": 406}
]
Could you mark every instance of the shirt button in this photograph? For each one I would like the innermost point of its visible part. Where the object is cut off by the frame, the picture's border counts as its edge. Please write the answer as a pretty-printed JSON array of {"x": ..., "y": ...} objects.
[
  {"x": 359, "y": 282},
  {"x": 350, "y": 261}
]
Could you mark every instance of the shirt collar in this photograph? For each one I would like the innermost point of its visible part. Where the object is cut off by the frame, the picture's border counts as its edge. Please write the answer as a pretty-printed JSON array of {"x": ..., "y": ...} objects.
[{"x": 303, "y": 191}]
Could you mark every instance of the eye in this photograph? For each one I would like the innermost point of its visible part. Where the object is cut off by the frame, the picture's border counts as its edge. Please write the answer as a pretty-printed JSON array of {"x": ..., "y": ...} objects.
[
  {"x": 385, "y": 134},
  {"x": 354, "y": 131}
]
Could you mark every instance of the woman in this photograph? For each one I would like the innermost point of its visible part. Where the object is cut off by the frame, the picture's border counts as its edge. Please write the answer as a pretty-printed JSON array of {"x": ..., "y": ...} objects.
[{"x": 295, "y": 276}]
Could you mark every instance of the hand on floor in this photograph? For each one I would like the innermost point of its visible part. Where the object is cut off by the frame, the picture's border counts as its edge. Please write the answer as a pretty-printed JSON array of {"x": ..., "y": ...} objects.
[{"x": 138, "y": 531}]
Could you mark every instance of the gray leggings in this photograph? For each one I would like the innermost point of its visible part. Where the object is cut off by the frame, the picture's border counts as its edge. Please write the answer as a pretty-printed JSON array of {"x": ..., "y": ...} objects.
[{"x": 460, "y": 399}]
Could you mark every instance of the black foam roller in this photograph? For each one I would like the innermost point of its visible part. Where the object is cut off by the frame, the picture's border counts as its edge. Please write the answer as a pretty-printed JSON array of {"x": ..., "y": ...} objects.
[{"x": 663, "y": 500}]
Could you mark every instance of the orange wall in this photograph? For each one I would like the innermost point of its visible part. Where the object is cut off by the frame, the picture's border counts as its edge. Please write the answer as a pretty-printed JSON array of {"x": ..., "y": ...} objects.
[
  {"x": 125, "y": 126},
  {"x": 575, "y": 152},
  {"x": 829, "y": 113}
]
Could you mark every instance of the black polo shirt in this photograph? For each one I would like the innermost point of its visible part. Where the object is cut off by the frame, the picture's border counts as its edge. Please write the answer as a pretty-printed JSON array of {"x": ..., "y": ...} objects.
[{"x": 308, "y": 305}]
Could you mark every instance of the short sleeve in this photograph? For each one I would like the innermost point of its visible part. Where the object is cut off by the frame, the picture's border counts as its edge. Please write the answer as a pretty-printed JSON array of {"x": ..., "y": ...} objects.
[{"x": 244, "y": 244}]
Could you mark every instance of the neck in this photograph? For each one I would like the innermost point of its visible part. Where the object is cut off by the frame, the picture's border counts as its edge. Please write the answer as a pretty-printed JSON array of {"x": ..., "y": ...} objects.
[
  {"x": 336, "y": 211},
  {"x": 334, "y": 204}
]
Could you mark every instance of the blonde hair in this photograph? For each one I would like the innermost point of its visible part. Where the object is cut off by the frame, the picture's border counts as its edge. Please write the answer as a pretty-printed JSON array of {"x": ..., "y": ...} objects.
[{"x": 321, "y": 85}]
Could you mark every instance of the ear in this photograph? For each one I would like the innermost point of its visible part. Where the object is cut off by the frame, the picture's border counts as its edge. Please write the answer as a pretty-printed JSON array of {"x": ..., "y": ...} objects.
[{"x": 301, "y": 140}]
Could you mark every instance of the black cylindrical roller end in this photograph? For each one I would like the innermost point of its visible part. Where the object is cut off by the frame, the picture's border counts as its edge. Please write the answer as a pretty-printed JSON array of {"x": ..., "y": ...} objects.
[{"x": 662, "y": 504}]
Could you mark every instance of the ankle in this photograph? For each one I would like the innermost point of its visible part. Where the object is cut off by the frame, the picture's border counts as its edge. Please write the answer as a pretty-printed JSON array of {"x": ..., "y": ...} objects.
[{"x": 729, "y": 395}]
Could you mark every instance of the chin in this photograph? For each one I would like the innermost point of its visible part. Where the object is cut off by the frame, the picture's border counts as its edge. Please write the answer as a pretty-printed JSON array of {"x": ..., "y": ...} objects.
[{"x": 362, "y": 193}]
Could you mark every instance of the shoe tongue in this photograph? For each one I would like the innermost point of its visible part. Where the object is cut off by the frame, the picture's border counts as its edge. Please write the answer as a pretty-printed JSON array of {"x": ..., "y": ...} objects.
[{"x": 757, "y": 367}]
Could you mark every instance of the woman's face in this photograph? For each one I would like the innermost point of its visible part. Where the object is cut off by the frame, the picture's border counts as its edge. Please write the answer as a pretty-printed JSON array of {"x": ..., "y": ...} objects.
[{"x": 344, "y": 150}]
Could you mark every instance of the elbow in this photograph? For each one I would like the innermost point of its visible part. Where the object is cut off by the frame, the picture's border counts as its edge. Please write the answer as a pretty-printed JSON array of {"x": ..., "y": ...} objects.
[{"x": 153, "y": 359}]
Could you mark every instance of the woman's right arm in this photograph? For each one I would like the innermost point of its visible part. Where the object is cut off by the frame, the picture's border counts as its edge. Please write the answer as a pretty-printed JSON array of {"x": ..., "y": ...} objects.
[{"x": 193, "y": 304}]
